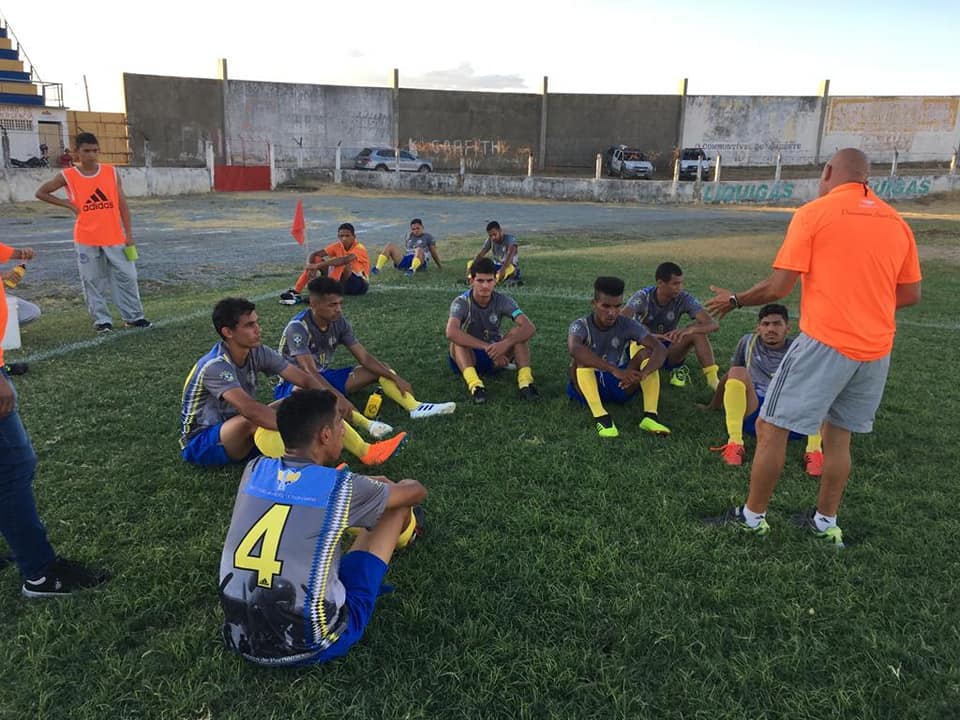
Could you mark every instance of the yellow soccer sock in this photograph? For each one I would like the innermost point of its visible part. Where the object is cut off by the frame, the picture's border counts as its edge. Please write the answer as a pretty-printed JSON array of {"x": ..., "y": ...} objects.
[
  {"x": 472, "y": 379},
  {"x": 524, "y": 377},
  {"x": 390, "y": 389},
  {"x": 587, "y": 381},
  {"x": 407, "y": 531},
  {"x": 710, "y": 373},
  {"x": 415, "y": 264},
  {"x": 814, "y": 443},
  {"x": 511, "y": 269},
  {"x": 381, "y": 261},
  {"x": 353, "y": 442},
  {"x": 650, "y": 387},
  {"x": 735, "y": 408},
  {"x": 269, "y": 442},
  {"x": 359, "y": 420}
]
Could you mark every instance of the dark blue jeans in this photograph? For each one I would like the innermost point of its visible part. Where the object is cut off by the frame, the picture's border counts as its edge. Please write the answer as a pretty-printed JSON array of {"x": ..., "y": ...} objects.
[{"x": 19, "y": 522}]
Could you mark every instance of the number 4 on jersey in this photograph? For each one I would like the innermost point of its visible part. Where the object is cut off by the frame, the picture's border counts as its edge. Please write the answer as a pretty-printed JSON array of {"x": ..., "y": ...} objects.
[{"x": 266, "y": 533}]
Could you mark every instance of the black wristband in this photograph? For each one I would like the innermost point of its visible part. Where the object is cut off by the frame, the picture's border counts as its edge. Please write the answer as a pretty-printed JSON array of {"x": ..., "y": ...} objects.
[{"x": 735, "y": 301}]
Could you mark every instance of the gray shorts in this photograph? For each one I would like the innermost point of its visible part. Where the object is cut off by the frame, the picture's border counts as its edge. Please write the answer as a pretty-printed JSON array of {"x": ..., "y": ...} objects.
[{"x": 815, "y": 383}]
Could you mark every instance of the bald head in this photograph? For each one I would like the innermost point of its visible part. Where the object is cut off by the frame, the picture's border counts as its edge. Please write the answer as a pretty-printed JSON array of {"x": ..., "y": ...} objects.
[{"x": 846, "y": 166}]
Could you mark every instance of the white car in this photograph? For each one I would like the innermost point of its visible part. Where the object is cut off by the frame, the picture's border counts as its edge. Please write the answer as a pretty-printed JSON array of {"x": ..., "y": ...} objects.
[
  {"x": 385, "y": 160},
  {"x": 627, "y": 162},
  {"x": 689, "y": 159}
]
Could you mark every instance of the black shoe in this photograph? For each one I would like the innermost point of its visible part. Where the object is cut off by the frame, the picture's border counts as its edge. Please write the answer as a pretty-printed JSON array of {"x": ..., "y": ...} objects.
[
  {"x": 734, "y": 517},
  {"x": 63, "y": 577},
  {"x": 103, "y": 327},
  {"x": 290, "y": 297},
  {"x": 16, "y": 368},
  {"x": 530, "y": 393},
  {"x": 479, "y": 395},
  {"x": 142, "y": 323}
]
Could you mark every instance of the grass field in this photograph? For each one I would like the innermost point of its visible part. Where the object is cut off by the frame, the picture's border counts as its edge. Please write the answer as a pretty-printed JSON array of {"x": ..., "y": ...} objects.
[{"x": 560, "y": 576}]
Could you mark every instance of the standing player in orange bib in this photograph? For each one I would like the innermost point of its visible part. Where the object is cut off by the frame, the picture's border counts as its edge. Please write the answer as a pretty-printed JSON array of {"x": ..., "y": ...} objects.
[{"x": 103, "y": 235}]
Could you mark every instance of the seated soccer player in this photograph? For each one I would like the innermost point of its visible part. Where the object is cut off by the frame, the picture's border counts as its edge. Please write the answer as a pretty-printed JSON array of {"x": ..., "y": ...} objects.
[
  {"x": 611, "y": 358},
  {"x": 413, "y": 255},
  {"x": 504, "y": 248},
  {"x": 290, "y": 595},
  {"x": 476, "y": 344},
  {"x": 312, "y": 337},
  {"x": 345, "y": 260},
  {"x": 742, "y": 389},
  {"x": 660, "y": 308},
  {"x": 220, "y": 414}
]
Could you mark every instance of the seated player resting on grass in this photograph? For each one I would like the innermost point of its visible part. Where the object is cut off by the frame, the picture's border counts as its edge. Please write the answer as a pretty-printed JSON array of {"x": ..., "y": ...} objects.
[
  {"x": 345, "y": 260},
  {"x": 611, "y": 357},
  {"x": 312, "y": 337},
  {"x": 289, "y": 593},
  {"x": 504, "y": 248},
  {"x": 221, "y": 417},
  {"x": 742, "y": 389},
  {"x": 413, "y": 255},
  {"x": 473, "y": 329},
  {"x": 659, "y": 307}
]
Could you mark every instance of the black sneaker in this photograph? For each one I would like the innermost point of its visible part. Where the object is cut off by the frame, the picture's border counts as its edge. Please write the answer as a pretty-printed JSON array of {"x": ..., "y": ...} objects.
[
  {"x": 142, "y": 323},
  {"x": 479, "y": 395},
  {"x": 16, "y": 368},
  {"x": 290, "y": 297},
  {"x": 832, "y": 536},
  {"x": 530, "y": 393},
  {"x": 734, "y": 517},
  {"x": 63, "y": 577},
  {"x": 103, "y": 327}
]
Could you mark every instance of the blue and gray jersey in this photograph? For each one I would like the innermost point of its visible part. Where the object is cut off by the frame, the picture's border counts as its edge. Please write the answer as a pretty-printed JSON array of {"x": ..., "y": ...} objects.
[
  {"x": 302, "y": 336},
  {"x": 659, "y": 318}
]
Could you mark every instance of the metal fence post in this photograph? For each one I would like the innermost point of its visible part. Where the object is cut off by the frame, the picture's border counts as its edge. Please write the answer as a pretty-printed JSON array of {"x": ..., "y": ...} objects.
[
  {"x": 337, "y": 168},
  {"x": 463, "y": 168},
  {"x": 699, "y": 171},
  {"x": 530, "y": 165},
  {"x": 211, "y": 161},
  {"x": 893, "y": 167},
  {"x": 716, "y": 172},
  {"x": 147, "y": 157},
  {"x": 596, "y": 175},
  {"x": 396, "y": 156},
  {"x": 953, "y": 164},
  {"x": 776, "y": 173},
  {"x": 272, "y": 163},
  {"x": 676, "y": 170}
]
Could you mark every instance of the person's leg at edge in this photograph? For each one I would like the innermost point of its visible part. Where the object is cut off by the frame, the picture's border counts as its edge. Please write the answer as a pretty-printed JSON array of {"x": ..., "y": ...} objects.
[
  {"x": 836, "y": 472},
  {"x": 381, "y": 540},
  {"x": 521, "y": 355},
  {"x": 466, "y": 362},
  {"x": 767, "y": 465},
  {"x": 123, "y": 284},
  {"x": 236, "y": 436},
  {"x": 650, "y": 389},
  {"x": 710, "y": 369},
  {"x": 95, "y": 282},
  {"x": 417, "y": 261},
  {"x": 391, "y": 253}
]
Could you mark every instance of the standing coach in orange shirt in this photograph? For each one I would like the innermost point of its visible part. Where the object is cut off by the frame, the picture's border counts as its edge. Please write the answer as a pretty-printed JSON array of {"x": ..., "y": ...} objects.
[
  {"x": 103, "y": 235},
  {"x": 857, "y": 263}
]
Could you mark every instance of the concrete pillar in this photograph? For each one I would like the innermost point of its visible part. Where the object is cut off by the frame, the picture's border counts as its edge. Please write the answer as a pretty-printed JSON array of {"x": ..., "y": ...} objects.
[
  {"x": 953, "y": 164},
  {"x": 147, "y": 155},
  {"x": 776, "y": 173},
  {"x": 395, "y": 84},
  {"x": 824, "y": 94},
  {"x": 272, "y": 163},
  {"x": 337, "y": 167},
  {"x": 676, "y": 170},
  {"x": 599, "y": 167},
  {"x": 683, "y": 112},
  {"x": 224, "y": 94},
  {"x": 211, "y": 161},
  {"x": 542, "y": 150},
  {"x": 5, "y": 147},
  {"x": 530, "y": 165},
  {"x": 893, "y": 166},
  {"x": 716, "y": 171}
]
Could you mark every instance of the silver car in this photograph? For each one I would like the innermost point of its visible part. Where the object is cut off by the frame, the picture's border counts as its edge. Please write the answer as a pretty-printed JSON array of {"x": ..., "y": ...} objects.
[{"x": 384, "y": 159}]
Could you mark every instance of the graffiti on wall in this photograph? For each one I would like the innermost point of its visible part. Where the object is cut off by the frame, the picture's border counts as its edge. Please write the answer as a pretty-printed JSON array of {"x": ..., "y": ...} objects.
[
  {"x": 892, "y": 115},
  {"x": 888, "y": 188},
  {"x": 468, "y": 148},
  {"x": 894, "y": 188},
  {"x": 746, "y": 192}
]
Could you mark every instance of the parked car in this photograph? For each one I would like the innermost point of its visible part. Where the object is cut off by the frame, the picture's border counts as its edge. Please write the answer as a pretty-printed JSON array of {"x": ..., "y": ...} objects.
[
  {"x": 628, "y": 162},
  {"x": 383, "y": 159},
  {"x": 689, "y": 159}
]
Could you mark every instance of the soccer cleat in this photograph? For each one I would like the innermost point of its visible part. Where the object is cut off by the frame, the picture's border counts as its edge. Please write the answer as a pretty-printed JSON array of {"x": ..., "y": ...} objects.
[
  {"x": 142, "y": 323},
  {"x": 408, "y": 273},
  {"x": 831, "y": 536},
  {"x": 103, "y": 327},
  {"x": 425, "y": 410},
  {"x": 530, "y": 393},
  {"x": 290, "y": 297},
  {"x": 382, "y": 451},
  {"x": 650, "y": 425},
  {"x": 734, "y": 516},
  {"x": 479, "y": 395},
  {"x": 63, "y": 577},
  {"x": 16, "y": 368},
  {"x": 379, "y": 430},
  {"x": 680, "y": 376},
  {"x": 732, "y": 453},
  {"x": 813, "y": 463},
  {"x": 374, "y": 270},
  {"x": 606, "y": 428}
]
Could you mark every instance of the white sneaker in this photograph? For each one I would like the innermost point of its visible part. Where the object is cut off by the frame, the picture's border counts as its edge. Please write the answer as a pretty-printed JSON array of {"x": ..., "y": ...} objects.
[
  {"x": 424, "y": 410},
  {"x": 379, "y": 430}
]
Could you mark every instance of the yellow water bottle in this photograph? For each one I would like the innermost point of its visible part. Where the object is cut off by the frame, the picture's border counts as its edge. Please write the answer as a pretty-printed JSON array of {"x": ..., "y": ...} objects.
[
  {"x": 16, "y": 276},
  {"x": 373, "y": 404}
]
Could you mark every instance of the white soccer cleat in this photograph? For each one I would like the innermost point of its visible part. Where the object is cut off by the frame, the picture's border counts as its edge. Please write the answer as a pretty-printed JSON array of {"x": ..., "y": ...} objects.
[
  {"x": 425, "y": 410},
  {"x": 379, "y": 430}
]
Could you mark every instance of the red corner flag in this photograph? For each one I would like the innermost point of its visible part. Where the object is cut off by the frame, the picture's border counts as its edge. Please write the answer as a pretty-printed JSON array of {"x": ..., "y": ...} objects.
[{"x": 299, "y": 226}]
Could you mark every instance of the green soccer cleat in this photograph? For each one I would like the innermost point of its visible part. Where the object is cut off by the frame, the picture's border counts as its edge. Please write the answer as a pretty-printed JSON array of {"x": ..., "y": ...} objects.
[
  {"x": 832, "y": 536},
  {"x": 648, "y": 424},
  {"x": 734, "y": 516},
  {"x": 680, "y": 376},
  {"x": 606, "y": 428}
]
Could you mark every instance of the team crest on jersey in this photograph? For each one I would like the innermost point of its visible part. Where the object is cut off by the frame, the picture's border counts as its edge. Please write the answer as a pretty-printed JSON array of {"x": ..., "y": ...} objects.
[
  {"x": 615, "y": 342},
  {"x": 227, "y": 376},
  {"x": 331, "y": 341},
  {"x": 287, "y": 477},
  {"x": 493, "y": 317},
  {"x": 298, "y": 340},
  {"x": 671, "y": 315}
]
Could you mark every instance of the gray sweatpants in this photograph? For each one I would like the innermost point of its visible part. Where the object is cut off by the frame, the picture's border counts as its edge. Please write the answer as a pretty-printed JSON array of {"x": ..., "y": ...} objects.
[
  {"x": 27, "y": 312},
  {"x": 104, "y": 269}
]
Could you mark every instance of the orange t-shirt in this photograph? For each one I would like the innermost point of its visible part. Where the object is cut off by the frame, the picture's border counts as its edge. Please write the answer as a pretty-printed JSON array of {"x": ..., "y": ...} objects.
[
  {"x": 97, "y": 197},
  {"x": 851, "y": 250},
  {"x": 6, "y": 253},
  {"x": 361, "y": 264}
]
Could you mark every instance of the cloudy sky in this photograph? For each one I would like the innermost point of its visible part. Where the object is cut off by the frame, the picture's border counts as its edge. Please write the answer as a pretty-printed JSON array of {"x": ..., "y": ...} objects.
[{"x": 605, "y": 46}]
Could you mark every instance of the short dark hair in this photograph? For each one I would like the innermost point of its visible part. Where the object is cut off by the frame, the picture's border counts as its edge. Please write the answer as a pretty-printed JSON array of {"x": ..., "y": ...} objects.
[
  {"x": 86, "y": 138},
  {"x": 416, "y": 221},
  {"x": 667, "y": 270},
  {"x": 483, "y": 266},
  {"x": 347, "y": 226},
  {"x": 773, "y": 309},
  {"x": 227, "y": 312},
  {"x": 302, "y": 413},
  {"x": 323, "y": 285},
  {"x": 612, "y": 286},
  {"x": 493, "y": 225}
]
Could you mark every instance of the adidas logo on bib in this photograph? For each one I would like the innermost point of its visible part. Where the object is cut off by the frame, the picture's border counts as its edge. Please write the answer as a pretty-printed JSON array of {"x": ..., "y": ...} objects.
[{"x": 98, "y": 201}]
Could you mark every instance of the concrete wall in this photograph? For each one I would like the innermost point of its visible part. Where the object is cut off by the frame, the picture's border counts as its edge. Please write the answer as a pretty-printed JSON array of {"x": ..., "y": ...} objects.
[
  {"x": 580, "y": 126},
  {"x": 22, "y": 125},
  {"x": 491, "y": 130},
  {"x": 751, "y": 130},
  {"x": 920, "y": 128},
  {"x": 320, "y": 115},
  {"x": 177, "y": 115},
  {"x": 20, "y": 185}
]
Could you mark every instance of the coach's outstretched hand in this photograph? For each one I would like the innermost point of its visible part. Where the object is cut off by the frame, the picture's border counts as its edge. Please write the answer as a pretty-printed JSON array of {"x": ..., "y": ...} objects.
[{"x": 719, "y": 305}]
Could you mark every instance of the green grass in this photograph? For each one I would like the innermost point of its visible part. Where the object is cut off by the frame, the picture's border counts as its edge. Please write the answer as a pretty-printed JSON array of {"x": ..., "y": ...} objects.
[{"x": 560, "y": 576}]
